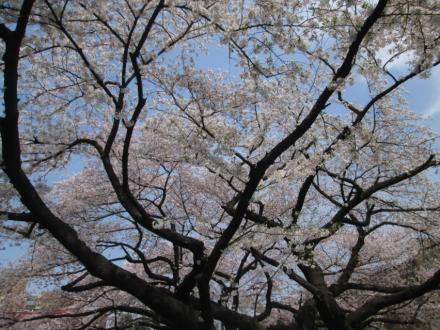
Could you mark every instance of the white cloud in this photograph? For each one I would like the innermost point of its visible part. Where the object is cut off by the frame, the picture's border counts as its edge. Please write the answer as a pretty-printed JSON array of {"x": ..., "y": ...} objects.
[
  {"x": 386, "y": 53},
  {"x": 434, "y": 108}
]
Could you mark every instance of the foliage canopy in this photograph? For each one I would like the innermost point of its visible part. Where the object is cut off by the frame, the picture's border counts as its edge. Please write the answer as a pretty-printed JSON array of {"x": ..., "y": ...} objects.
[{"x": 291, "y": 190}]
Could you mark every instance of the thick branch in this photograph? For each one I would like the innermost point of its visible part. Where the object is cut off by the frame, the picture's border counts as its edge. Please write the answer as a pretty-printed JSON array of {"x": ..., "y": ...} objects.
[{"x": 375, "y": 304}]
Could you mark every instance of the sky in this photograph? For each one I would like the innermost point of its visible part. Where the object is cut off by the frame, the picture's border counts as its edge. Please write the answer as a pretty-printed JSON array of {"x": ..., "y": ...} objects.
[{"x": 423, "y": 96}]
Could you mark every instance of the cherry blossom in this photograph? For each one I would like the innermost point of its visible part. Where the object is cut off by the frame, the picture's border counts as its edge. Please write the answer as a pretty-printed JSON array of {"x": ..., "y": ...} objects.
[{"x": 294, "y": 190}]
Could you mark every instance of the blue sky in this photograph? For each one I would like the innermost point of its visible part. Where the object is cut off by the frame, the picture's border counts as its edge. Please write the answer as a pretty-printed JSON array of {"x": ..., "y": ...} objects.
[{"x": 423, "y": 96}]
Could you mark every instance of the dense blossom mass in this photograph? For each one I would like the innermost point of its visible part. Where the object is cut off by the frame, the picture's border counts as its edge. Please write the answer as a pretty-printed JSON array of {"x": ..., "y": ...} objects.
[{"x": 218, "y": 164}]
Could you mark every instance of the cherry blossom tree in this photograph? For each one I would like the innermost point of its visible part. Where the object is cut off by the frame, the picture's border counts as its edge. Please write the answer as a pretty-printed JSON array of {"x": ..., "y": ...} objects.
[{"x": 294, "y": 190}]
